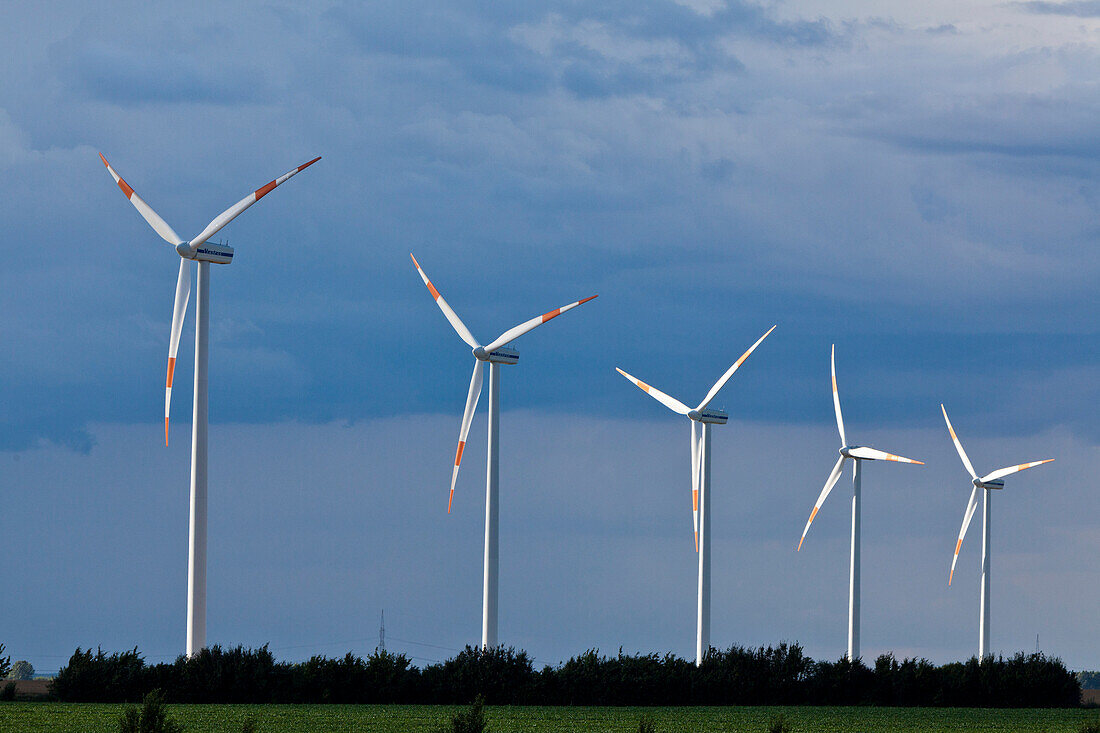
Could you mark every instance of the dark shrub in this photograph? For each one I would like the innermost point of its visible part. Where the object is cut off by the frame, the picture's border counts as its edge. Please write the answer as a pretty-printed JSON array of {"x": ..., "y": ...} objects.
[
  {"x": 778, "y": 724},
  {"x": 153, "y": 717},
  {"x": 499, "y": 675},
  {"x": 470, "y": 720},
  {"x": 101, "y": 678}
]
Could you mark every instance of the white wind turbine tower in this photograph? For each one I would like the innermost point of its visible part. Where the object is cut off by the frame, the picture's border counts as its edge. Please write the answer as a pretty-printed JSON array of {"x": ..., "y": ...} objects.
[
  {"x": 702, "y": 417},
  {"x": 857, "y": 454},
  {"x": 496, "y": 353},
  {"x": 989, "y": 482},
  {"x": 204, "y": 252}
]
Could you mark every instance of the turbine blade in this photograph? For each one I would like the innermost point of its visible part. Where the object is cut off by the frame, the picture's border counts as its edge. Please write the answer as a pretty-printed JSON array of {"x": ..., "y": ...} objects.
[
  {"x": 670, "y": 402},
  {"x": 236, "y": 209},
  {"x": 448, "y": 311},
  {"x": 179, "y": 309},
  {"x": 836, "y": 400},
  {"x": 515, "y": 332},
  {"x": 696, "y": 456},
  {"x": 873, "y": 454},
  {"x": 1012, "y": 469},
  {"x": 729, "y": 373},
  {"x": 467, "y": 419},
  {"x": 153, "y": 218},
  {"x": 829, "y": 484},
  {"x": 958, "y": 444},
  {"x": 971, "y": 507}
]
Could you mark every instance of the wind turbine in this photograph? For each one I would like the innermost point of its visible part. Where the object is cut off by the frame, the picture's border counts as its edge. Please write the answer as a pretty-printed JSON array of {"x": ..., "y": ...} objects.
[
  {"x": 989, "y": 482},
  {"x": 702, "y": 417},
  {"x": 204, "y": 252},
  {"x": 857, "y": 454},
  {"x": 496, "y": 353}
]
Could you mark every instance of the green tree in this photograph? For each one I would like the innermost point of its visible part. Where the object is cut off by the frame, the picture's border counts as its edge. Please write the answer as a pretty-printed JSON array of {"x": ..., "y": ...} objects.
[
  {"x": 5, "y": 663},
  {"x": 21, "y": 670}
]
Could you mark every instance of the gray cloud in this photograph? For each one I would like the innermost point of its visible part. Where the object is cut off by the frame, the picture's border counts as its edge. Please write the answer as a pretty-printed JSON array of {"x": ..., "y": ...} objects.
[
  {"x": 708, "y": 175},
  {"x": 1075, "y": 8},
  {"x": 159, "y": 66}
]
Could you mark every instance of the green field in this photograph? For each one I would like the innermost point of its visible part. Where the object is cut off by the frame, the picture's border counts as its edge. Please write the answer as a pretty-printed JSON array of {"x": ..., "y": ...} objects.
[{"x": 89, "y": 718}]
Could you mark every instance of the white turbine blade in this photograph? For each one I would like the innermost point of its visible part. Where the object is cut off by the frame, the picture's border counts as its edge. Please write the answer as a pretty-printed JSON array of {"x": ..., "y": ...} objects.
[
  {"x": 873, "y": 454},
  {"x": 670, "y": 402},
  {"x": 836, "y": 400},
  {"x": 235, "y": 210},
  {"x": 467, "y": 419},
  {"x": 1012, "y": 469},
  {"x": 729, "y": 373},
  {"x": 515, "y": 332},
  {"x": 159, "y": 225},
  {"x": 829, "y": 484},
  {"x": 971, "y": 507},
  {"x": 448, "y": 311},
  {"x": 958, "y": 444},
  {"x": 179, "y": 309},
  {"x": 695, "y": 473}
]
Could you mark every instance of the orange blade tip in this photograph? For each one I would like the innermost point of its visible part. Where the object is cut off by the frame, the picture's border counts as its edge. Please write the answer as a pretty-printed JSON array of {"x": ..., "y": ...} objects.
[
  {"x": 166, "y": 431},
  {"x": 590, "y": 297}
]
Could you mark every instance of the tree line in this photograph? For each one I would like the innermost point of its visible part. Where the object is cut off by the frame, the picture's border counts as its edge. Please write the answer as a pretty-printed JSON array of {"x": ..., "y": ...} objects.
[{"x": 779, "y": 675}]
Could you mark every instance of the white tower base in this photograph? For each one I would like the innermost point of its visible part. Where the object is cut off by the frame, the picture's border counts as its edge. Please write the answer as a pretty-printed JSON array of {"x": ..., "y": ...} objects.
[
  {"x": 702, "y": 637},
  {"x": 196, "y": 550},
  {"x": 983, "y": 621},
  {"x": 492, "y": 515},
  {"x": 853, "y": 579}
]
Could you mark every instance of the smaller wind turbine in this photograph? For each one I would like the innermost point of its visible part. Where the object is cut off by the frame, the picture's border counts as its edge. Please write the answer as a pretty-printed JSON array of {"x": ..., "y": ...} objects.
[
  {"x": 857, "y": 454},
  {"x": 496, "y": 353},
  {"x": 701, "y": 419},
  {"x": 990, "y": 481}
]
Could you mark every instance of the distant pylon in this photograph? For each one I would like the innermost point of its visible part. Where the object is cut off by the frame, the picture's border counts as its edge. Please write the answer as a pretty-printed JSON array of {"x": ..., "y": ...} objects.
[{"x": 382, "y": 632}]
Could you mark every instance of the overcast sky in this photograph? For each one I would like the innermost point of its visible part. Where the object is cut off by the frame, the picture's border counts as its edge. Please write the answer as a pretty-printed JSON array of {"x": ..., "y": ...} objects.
[{"x": 914, "y": 182}]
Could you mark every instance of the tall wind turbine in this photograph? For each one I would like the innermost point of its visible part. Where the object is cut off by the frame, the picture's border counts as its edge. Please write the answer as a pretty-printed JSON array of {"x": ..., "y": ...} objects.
[
  {"x": 204, "y": 252},
  {"x": 989, "y": 482},
  {"x": 496, "y": 353},
  {"x": 702, "y": 417},
  {"x": 857, "y": 454}
]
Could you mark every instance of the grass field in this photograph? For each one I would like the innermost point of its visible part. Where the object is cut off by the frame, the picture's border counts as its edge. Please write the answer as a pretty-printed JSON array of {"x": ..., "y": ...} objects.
[{"x": 51, "y": 717}]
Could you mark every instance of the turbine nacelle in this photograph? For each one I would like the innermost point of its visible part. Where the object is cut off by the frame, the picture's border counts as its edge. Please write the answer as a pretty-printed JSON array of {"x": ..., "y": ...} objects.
[
  {"x": 711, "y": 417},
  {"x": 998, "y": 484},
  {"x": 501, "y": 355},
  {"x": 215, "y": 252}
]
